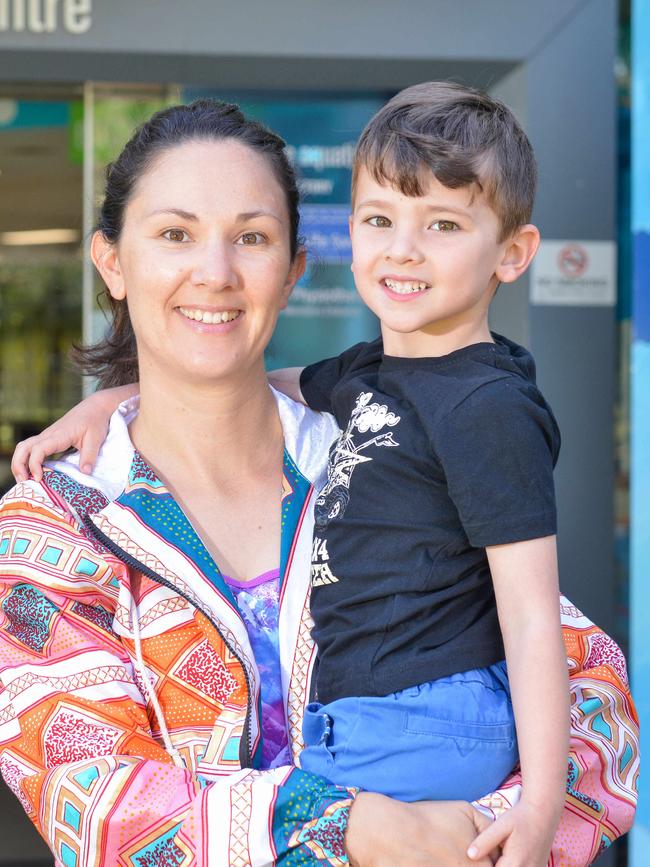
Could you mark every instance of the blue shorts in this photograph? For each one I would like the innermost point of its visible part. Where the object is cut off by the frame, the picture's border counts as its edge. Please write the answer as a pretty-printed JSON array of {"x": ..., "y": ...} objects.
[{"x": 449, "y": 739}]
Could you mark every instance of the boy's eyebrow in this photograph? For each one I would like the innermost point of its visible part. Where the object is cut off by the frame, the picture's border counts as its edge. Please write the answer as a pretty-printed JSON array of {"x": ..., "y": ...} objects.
[
  {"x": 373, "y": 203},
  {"x": 434, "y": 206}
]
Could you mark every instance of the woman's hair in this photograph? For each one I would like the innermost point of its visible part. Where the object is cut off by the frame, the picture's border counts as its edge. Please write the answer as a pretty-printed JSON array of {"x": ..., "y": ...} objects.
[{"x": 113, "y": 360}]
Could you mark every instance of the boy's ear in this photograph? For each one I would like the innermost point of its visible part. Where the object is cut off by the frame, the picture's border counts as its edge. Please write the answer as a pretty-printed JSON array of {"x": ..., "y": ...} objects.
[
  {"x": 105, "y": 258},
  {"x": 518, "y": 253}
]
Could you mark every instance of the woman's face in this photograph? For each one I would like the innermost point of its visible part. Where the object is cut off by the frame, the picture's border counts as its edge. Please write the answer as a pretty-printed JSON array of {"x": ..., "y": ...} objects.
[{"x": 203, "y": 261}]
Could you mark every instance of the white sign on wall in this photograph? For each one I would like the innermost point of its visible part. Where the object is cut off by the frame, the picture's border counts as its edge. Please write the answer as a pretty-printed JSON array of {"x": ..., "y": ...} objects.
[
  {"x": 574, "y": 273},
  {"x": 45, "y": 16}
]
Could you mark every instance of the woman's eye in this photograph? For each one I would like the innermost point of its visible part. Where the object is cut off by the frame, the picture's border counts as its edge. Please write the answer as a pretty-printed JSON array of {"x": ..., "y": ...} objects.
[
  {"x": 250, "y": 239},
  {"x": 379, "y": 222},
  {"x": 176, "y": 235},
  {"x": 444, "y": 226}
]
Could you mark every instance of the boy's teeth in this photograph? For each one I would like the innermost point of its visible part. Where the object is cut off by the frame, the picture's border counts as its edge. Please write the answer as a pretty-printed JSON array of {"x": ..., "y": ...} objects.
[
  {"x": 207, "y": 317},
  {"x": 405, "y": 287}
]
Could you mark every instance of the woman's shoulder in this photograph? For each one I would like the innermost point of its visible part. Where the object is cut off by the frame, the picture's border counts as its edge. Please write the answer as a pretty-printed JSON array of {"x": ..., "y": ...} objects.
[
  {"x": 65, "y": 495},
  {"x": 307, "y": 435}
]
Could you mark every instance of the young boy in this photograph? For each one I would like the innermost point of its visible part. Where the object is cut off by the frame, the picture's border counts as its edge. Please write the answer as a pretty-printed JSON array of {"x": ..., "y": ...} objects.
[{"x": 434, "y": 551}]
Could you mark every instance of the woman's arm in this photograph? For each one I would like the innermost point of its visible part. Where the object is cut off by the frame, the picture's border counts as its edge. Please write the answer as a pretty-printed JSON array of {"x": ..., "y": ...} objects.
[
  {"x": 603, "y": 762},
  {"x": 84, "y": 427}
]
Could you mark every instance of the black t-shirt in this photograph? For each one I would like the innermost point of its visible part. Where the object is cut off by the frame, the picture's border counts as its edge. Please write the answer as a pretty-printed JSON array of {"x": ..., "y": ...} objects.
[{"x": 438, "y": 458}]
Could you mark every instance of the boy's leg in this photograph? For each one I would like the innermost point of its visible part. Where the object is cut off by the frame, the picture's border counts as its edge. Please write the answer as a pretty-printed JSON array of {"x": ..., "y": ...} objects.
[{"x": 450, "y": 739}]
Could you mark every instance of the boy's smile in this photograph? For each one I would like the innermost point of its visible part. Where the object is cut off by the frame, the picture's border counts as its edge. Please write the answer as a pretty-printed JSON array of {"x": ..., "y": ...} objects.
[{"x": 428, "y": 265}]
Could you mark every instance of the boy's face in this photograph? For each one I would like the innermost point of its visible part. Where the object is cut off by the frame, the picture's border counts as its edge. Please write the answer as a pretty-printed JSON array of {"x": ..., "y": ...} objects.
[{"x": 427, "y": 266}]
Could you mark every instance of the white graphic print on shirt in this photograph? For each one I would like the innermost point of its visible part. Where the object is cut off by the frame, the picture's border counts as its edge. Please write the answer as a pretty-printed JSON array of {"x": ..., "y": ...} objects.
[{"x": 345, "y": 455}]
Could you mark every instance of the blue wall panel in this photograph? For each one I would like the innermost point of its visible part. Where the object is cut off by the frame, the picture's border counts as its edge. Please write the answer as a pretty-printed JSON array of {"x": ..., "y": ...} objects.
[{"x": 640, "y": 398}]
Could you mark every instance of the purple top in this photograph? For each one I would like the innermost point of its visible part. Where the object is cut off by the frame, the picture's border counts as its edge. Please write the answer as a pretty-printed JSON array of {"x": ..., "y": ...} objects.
[{"x": 258, "y": 602}]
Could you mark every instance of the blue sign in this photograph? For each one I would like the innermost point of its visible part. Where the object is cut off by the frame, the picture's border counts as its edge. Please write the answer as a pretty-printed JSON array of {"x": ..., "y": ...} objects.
[
  {"x": 326, "y": 232},
  {"x": 15, "y": 114}
]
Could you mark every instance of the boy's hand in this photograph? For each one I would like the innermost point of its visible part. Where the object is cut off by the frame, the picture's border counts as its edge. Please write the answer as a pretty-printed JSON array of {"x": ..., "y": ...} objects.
[
  {"x": 524, "y": 835},
  {"x": 84, "y": 427}
]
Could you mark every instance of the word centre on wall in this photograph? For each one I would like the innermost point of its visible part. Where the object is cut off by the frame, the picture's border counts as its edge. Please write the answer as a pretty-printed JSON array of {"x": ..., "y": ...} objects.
[{"x": 45, "y": 16}]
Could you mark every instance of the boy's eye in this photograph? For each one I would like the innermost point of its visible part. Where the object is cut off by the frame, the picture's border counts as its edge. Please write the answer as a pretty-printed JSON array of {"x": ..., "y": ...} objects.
[
  {"x": 176, "y": 235},
  {"x": 444, "y": 226},
  {"x": 379, "y": 222},
  {"x": 250, "y": 239}
]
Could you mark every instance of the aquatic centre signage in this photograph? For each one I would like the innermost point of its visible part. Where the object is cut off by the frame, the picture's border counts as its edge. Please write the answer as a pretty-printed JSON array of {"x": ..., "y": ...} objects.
[{"x": 45, "y": 16}]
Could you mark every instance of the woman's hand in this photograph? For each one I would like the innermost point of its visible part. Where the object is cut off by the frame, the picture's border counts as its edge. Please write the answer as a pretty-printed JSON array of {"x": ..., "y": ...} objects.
[
  {"x": 382, "y": 832},
  {"x": 84, "y": 427}
]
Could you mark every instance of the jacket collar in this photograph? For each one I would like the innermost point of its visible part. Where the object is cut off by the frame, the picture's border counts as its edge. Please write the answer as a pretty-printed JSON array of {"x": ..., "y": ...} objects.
[{"x": 123, "y": 479}]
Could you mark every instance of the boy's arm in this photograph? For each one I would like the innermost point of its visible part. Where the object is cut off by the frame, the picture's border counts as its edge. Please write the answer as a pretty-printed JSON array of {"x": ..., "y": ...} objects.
[
  {"x": 287, "y": 380},
  {"x": 84, "y": 427},
  {"x": 525, "y": 581},
  {"x": 526, "y": 586},
  {"x": 601, "y": 787},
  {"x": 316, "y": 382}
]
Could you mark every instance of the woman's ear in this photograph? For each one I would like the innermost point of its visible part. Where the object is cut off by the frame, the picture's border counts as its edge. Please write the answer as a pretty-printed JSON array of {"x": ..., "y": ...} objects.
[
  {"x": 296, "y": 270},
  {"x": 105, "y": 258},
  {"x": 518, "y": 253}
]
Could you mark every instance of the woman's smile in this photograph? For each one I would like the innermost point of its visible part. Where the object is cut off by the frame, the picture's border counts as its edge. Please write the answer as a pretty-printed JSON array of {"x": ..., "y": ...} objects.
[{"x": 203, "y": 316}]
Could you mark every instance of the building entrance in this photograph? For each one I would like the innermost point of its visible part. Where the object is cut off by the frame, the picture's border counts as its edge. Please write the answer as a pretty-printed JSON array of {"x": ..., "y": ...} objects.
[{"x": 40, "y": 260}]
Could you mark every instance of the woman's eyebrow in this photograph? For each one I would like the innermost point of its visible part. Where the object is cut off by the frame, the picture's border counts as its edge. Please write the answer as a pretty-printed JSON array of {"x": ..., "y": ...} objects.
[
  {"x": 178, "y": 212},
  {"x": 188, "y": 215},
  {"x": 251, "y": 215}
]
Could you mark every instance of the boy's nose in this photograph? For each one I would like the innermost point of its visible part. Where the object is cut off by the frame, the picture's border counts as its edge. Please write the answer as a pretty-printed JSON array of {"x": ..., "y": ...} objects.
[{"x": 403, "y": 248}]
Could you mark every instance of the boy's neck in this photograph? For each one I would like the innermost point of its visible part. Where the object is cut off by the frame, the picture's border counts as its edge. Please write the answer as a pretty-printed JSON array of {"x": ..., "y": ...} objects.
[{"x": 431, "y": 343}]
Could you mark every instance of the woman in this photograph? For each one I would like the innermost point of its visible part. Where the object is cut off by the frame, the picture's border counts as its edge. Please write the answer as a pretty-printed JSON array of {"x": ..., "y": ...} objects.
[{"x": 132, "y": 709}]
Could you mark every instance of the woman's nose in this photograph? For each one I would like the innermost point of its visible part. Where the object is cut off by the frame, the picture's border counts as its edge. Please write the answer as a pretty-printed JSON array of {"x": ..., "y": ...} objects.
[{"x": 214, "y": 267}]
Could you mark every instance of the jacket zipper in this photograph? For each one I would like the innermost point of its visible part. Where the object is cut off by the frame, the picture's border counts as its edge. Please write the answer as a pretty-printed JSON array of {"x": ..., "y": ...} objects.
[{"x": 245, "y": 757}]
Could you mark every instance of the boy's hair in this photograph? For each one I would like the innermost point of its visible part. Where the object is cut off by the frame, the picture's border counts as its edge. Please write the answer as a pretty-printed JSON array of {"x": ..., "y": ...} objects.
[{"x": 463, "y": 136}]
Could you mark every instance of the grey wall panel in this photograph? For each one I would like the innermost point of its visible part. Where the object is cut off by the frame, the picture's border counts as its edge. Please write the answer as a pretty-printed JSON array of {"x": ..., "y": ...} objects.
[
  {"x": 572, "y": 123},
  {"x": 509, "y": 310},
  {"x": 254, "y": 73}
]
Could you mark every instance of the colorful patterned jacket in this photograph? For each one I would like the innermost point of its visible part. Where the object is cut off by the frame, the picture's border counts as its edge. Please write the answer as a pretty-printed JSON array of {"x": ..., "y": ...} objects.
[{"x": 129, "y": 696}]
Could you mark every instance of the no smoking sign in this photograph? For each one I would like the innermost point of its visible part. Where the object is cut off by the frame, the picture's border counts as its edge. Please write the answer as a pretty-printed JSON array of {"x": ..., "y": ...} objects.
[
  {"x": 573, "y": 260},
  {"x": 574, "y": 273}
]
